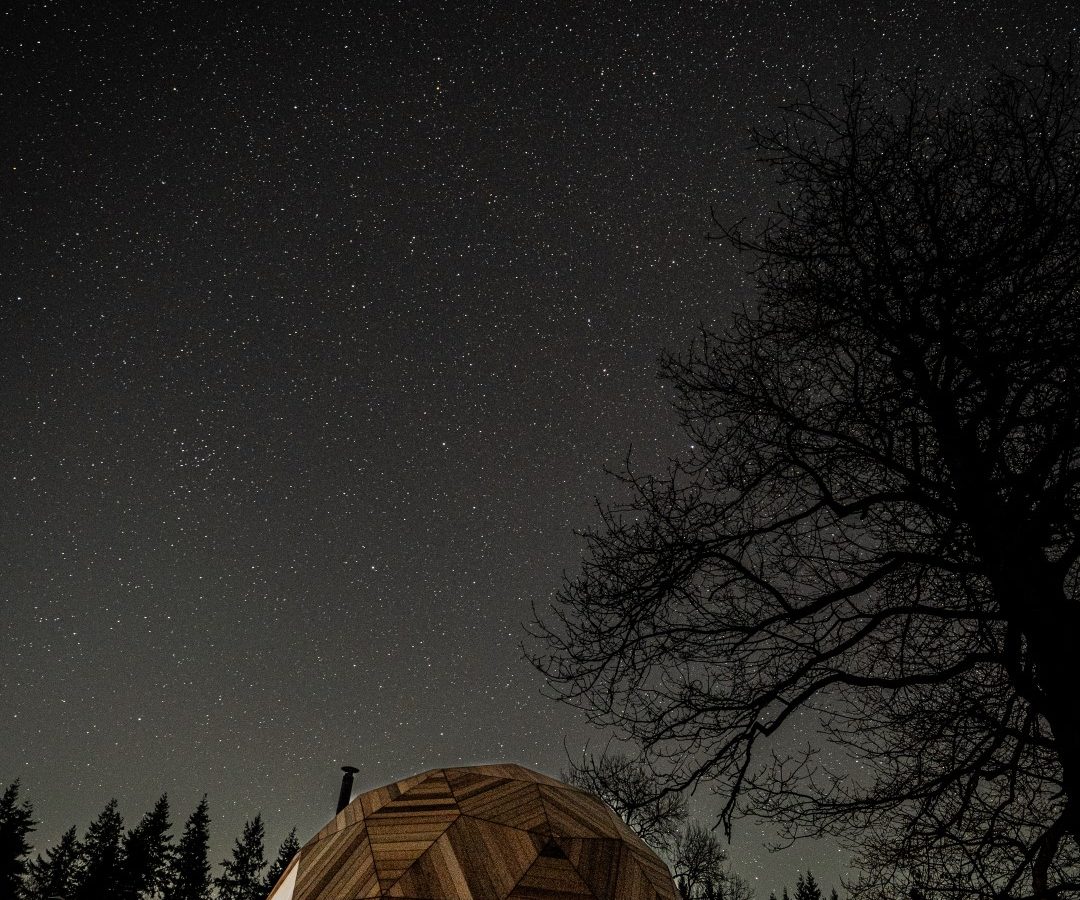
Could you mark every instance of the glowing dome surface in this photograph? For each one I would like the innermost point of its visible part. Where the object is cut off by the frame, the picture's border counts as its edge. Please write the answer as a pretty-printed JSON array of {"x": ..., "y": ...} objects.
[{"x": 498, "y": 832}]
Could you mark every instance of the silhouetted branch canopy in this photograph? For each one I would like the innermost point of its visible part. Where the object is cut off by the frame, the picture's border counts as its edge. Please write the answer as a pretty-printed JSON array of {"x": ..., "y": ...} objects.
[{"x": 877, "y": 525}]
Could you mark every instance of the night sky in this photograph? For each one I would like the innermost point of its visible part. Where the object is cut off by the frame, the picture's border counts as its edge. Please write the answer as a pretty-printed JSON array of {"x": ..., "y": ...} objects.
[{"x": 317, "y": 331}]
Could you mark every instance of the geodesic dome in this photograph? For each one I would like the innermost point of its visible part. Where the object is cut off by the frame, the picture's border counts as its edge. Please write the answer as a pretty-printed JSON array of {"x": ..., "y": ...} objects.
[{"x": 476, "y": 833}]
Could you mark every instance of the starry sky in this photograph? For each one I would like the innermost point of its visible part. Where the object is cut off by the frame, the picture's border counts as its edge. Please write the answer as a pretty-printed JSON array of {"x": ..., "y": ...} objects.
[{"x": 318, "y": 328}]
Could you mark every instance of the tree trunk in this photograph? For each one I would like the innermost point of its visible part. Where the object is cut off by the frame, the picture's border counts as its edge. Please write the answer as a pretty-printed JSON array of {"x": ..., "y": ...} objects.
[{"x": 1050, "y": 623}]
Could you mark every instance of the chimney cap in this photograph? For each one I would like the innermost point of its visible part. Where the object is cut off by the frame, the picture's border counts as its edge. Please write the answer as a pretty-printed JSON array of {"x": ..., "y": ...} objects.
[{"x": 351, "y": 770}]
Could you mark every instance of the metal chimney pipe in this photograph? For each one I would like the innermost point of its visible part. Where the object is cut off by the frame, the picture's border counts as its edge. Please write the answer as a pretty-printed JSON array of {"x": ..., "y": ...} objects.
[{"x": 345, "y": 794}]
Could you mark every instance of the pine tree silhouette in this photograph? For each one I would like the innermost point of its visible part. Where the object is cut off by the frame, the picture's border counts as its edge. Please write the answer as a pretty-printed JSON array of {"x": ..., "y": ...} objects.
[
  {"x": 146, "y": 855},
  {"x": 242, "y": 875},
  {"x": 99, "y": 878},
  {"x": 57, "y": 873},
  {"x": 189, "y": 872},
  {"x": 288, "y": 849},
  {"x": 16, "y": 822},
  {"x": 807, "y": 888}
]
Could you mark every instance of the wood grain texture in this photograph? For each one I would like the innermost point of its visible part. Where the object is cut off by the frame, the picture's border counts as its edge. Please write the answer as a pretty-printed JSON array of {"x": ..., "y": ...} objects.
[
  {"x": 506, "y": 802},
  {"x": 372, "y": 801},
  {"x": 551, "y": 876},
  {"x": 596, "y": 860},
  {"x": 497, "y": 832},
  {"x": 340, "y": 865},
  {"x": 576, "y": 814}
]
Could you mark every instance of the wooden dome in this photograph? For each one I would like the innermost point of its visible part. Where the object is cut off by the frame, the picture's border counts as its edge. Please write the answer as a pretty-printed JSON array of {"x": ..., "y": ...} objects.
[{"x": 476, "y": 833}]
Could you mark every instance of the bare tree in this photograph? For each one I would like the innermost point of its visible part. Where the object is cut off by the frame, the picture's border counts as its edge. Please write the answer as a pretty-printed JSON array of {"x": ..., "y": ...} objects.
[
  {"x": 629, "y": 789},
  {"x": 697, "y": 860},
  {"x": 734, "y": 887},
  {"x": 878, "y": 523}
]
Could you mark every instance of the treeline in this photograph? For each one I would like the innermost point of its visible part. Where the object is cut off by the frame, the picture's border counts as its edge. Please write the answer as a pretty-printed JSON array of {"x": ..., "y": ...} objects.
[
  {"x": 145, "y": 862},
  {"x": 806, "y": 888},
  {"x": 150, "y": 862}
]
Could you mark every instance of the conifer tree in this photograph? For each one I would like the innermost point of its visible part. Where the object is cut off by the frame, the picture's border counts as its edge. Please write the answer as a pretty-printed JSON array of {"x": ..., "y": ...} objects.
[
  {"x": 16, "y": 822},
  {"x": 147, "y": 855},
  {"x": 56, "y": 874},
  {"x": 807, "y": 888},
  {"x": 189, "y": 875},
  {"x": 288, "y": 849},
  {"x": 101, "y": 859},
  {"x": 241, "y": 878}
]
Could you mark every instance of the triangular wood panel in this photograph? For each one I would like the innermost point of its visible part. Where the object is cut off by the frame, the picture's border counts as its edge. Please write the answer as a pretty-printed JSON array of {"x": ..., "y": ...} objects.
[
  {"x": 511, "y": 770},
  {"x": 507, "y": 802},
  {"x": 393, "y": 795},
  {"x": 340, "y": 865},
  {"x": 510, "y": 850},
  {"x": 596, "y": 860},
  {"x": 436, "y": 875},
  {"x": 399, "y": 841},
  {"x": 551, "y": 877},
  {"x": 632, "y": 883},
  {"x": 372, "y": 801},
  {"x": 403, "y": 829},
  {"x": 466, "y": 782},
  {"x": 430, "y": 795},
  {"x": 446, "y": 871},
  {"x": 576, "y": 814},
  {"x": 453, "y": 857},
  {"x": 655, "y": 871}
]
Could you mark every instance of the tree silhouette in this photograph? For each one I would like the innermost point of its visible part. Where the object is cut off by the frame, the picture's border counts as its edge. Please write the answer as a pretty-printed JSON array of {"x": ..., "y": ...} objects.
[
  {"x": 733, "y": 887},
  {"x": 288, "y": 849},
  {"x": 241, "y": 878},
  {"x": 16, "y": 823},
  {"x": 629, "y": 789},
  {"x": 697, "y": 862},
  {"x": 147, "y": 854},
  {"x": 878, "y": 522},
  {"x": 189, "y": 875},
  {"x": 57, "y": 873},
  {"x": 100, "y": 866},
  {"x": 806, "y": 888},
  {"x": 696, "y": 858}
]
